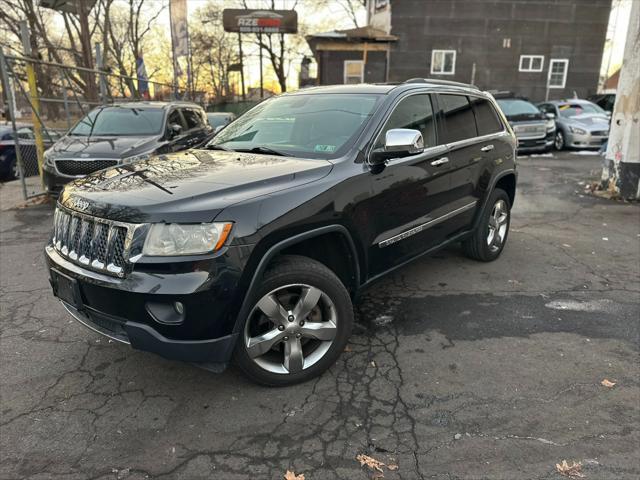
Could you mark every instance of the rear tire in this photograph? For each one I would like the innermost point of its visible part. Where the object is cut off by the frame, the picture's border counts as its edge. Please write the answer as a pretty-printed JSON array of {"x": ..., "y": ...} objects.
[
  {"x": 488, "y": 240},
  {"x": 309, "y": 321}
]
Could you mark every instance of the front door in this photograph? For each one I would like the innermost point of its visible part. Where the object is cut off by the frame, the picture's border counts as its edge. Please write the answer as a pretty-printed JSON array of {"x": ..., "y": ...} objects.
[{"x": 411, "y": 194}]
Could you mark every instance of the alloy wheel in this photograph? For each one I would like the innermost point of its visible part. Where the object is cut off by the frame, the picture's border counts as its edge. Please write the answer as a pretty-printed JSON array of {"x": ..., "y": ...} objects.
[
  {"x": 559, "y": 142},
  {"x": 498, "y": 221},
  {"x": 290, "y": 328}
]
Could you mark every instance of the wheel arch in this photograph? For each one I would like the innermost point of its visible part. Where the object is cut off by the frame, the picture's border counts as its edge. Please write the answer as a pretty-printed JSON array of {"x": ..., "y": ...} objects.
[
  {"x": 304, "y": 244},
  {"x": 505, "y": 180}
]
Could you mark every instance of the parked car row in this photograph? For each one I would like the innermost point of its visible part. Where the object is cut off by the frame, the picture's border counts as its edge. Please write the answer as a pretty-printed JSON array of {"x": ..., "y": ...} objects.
[
  {"x": 122, "y": 133},
  {"x": 107, "y": 136},
  {"x": 558, "y": 124}
]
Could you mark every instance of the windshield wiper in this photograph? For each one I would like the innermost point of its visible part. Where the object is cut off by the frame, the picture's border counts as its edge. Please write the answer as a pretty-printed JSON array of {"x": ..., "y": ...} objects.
[{"x": 265, "y": 150}]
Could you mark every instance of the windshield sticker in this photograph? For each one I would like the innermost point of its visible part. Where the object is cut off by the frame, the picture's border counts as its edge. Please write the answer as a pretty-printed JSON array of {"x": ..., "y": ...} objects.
[{"x": 324, "y": 148}]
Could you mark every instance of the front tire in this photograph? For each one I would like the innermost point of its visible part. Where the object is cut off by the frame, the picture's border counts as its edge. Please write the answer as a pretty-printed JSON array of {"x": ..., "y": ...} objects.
[
  {"x": 299, "y": 323},
  {"x": 488, "y": 240},
  {"x": 559, "y": 142}
]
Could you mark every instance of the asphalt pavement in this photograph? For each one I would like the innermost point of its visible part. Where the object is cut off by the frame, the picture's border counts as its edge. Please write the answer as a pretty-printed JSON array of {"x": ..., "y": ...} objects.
[{"x": 456, "y": 369}]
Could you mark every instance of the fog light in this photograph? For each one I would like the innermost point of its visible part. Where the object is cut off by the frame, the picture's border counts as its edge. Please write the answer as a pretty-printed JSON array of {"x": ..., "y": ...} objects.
[
  {"x": 166, "y": 313},
  {"x": 179, "y": 308}
]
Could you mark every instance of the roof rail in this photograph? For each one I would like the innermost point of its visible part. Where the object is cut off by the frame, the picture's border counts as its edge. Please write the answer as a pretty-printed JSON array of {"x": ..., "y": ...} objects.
[{"x": 437, "y": 81}]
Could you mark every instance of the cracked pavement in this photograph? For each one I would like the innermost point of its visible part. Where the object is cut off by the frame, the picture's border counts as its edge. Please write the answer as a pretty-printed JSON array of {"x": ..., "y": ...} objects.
[{"x": 456, "y": 369}]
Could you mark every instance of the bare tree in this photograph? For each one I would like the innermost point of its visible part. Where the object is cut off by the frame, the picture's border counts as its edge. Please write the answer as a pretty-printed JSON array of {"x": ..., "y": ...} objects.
[
  {"x": 213, "y": 51},
  {"x": 352, "y": 7}
]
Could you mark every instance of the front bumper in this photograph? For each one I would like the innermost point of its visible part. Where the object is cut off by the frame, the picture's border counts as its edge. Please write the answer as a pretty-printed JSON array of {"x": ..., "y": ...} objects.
[
  {"x": 536, "y": 144},
  {"x": 54, "y": 183},
  {"x": 588, "y": 140},
  {"x": 133, "y": 309}
]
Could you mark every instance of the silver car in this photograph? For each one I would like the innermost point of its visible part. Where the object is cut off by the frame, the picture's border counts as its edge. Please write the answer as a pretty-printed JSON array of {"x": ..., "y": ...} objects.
[{"x": 579, "y": 123}]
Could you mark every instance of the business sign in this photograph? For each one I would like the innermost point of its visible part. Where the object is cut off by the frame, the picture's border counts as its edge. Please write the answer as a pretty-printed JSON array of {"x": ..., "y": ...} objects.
[
  {"x": 179, "y": 31},
  {"x": 260, "y": 21}
]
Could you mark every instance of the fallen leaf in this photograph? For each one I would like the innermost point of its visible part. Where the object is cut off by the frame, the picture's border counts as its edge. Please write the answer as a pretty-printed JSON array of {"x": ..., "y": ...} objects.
[
  {"x": 607, "y": 383},
  {"x": 347, "y": 348},
  {"x": 370, "y": 462},
  {"x": 392, "y": 467},
  {"x": 567, "y": 470},
  {"x": 292, "y": 476}
]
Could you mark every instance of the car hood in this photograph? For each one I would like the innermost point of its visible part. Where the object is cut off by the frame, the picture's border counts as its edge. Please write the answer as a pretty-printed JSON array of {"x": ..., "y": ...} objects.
[
  {"x": 592, "y": 121},
  {"x": 191, "y": 186},
  {"x": 101, "y": 147}
]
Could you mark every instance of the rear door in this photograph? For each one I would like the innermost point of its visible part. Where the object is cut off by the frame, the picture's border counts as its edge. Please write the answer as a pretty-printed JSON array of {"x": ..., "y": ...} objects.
[
  {"x": 459, "y": 132},
  {"x": 410, "y": 195}
]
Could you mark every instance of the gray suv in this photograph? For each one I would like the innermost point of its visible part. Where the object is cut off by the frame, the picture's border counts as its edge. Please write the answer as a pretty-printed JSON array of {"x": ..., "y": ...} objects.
[
  {"x": 122, "y": 133},
  {"x": 580, "y": 123}
]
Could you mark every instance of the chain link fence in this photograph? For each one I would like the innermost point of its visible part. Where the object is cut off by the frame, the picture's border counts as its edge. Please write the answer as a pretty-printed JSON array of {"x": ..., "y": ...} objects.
[{"x": 42, "y": 100}]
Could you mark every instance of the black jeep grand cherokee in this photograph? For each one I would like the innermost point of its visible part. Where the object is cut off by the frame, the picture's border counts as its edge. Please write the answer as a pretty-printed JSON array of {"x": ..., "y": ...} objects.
[{"x": 254, "y": 247}]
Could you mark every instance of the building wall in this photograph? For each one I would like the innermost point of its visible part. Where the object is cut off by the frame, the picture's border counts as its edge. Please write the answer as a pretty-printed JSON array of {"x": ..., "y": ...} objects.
[
  {"x": 494, "y": 33},
  {"x": 331, "y": 66}
]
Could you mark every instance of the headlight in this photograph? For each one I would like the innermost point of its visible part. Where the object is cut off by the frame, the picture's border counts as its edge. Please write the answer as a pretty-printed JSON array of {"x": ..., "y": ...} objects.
[
  {"x": 135, "y": 158},
  {"x": 179, "y": 239},
  {"x": 551, "y": 125},
  {"x": 577, "y": 130},
  {"x": 48, "y": 158}
]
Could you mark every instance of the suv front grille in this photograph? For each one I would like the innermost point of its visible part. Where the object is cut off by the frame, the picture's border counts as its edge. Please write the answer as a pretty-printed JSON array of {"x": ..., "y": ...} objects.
[
  {"x": 83, "y": 167},
  {"x": 91, "y": 242},
  {"x": 530, "y": 130}
]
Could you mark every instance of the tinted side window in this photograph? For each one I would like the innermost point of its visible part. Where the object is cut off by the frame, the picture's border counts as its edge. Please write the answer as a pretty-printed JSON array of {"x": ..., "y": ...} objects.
[
  {"x": 487, "y": 119},
  {"x": 459, "y": 122},
  {"x": 413, "y": 112},
  {"x": 193, "y": 118}
]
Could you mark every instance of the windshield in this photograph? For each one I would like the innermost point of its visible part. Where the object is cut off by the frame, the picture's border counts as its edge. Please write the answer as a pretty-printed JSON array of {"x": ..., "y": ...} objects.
[
  {"x": 218, "y": 120},
  {"x": 515, "y": 106},
  {"x": 568, "y": 110},
  {"x": 120, "y": 121},
  {"x": 314, "y": 126}
]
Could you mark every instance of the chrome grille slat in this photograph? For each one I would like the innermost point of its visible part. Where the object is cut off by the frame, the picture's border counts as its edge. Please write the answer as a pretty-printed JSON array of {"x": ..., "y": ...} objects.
[{"x": 92, "y": 242}]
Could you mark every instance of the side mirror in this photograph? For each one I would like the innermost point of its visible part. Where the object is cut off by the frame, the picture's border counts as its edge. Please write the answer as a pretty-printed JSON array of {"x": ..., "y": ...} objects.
[
  {"x": 550, "y": 116},
  {"x": 174, "y": 130},
  {"x": 398, "y": 143}
]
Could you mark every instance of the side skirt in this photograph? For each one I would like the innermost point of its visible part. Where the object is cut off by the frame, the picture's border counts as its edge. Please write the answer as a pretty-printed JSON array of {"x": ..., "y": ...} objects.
[{"x": 457, "y": 238}]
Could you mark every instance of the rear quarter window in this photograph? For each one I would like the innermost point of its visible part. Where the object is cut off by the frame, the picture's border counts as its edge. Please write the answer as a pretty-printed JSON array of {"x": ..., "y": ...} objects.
[
  {"x": 487, "y": 120},
  {"x": 458, "y": 118}
]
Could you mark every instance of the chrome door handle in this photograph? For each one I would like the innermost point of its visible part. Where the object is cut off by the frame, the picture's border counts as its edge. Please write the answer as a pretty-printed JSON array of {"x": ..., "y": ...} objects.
[
  {"x": 440, "y": 161},
  {"x": 488, "y": 148}
]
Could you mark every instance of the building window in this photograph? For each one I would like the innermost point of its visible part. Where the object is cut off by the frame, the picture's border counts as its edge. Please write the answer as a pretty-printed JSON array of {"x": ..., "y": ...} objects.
[
  {"x": 353, "y": 71},
  {"x": 558, "y": 73},
  {"x": 531, "y": 63},
  {"x": 443, "y": 62}
]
